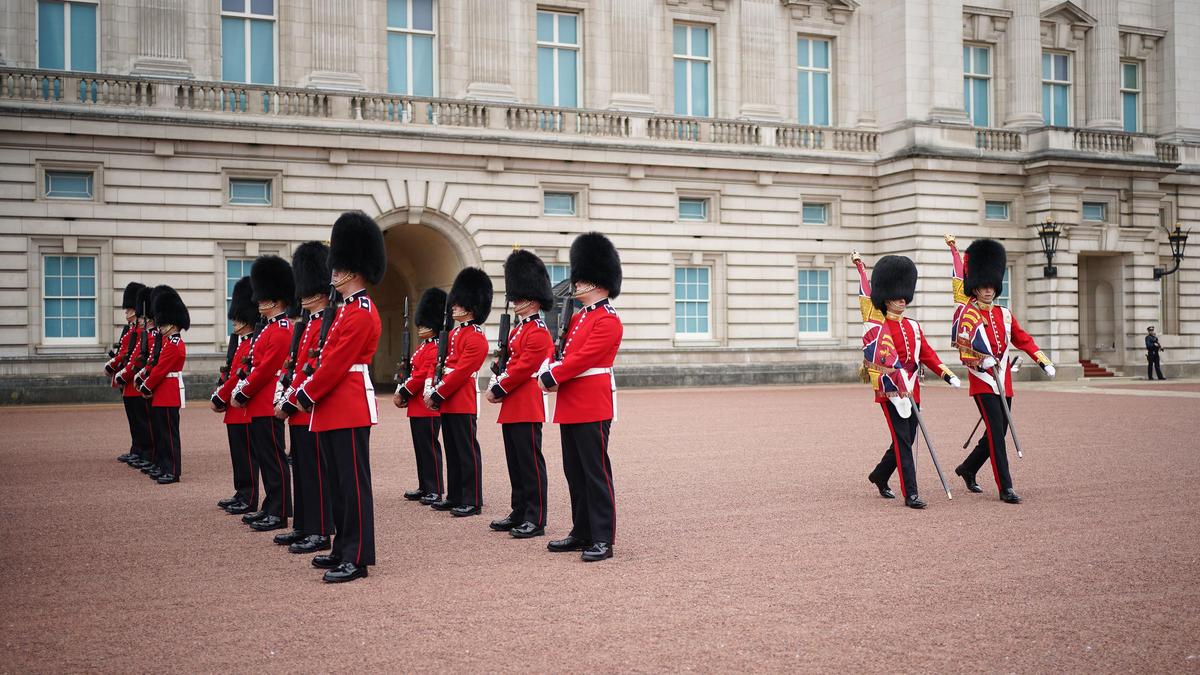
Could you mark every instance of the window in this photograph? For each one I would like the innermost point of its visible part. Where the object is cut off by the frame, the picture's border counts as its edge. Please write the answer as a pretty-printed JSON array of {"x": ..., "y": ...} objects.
[
  {"x": 813, "y": 81},
  {"x": 693, "y": 302},
  {"x": 1004, "y": 296},
  {"x": 977, "y": 84},
  {"x": 996, "y": 210},
  {"x": 558, "y": 272},
  {"x": 693, "y": 69},
  {"x": 814, "y": 214},
  {"x": 248, "y": 41},
  {"x": 1056, "y": 89},
  {"x": 812, "y": 291},
  {"x": 410, "y": 47},
  {"x": 1097, "y": 211},
  {"x": 558, "y": 204},
  {"x": 235, "y": 268},
  {"x": 66, "y": 35},
  {"x": 250, "y": 191},
  {"x": 558, "y": 58},
  {"x": 69, "y": 298},
  {"x": 1131, "y": 96},
  {"x": 693, "y": 208},
  {"x": 69, "y": 185}
]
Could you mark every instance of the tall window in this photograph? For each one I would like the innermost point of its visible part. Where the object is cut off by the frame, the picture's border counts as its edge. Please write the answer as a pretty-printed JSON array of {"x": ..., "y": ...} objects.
[
  {"x": 410, "y": 47},
  {"x": 812, "y": 290},
  {"x": 813, "y": 81},
  {"x": 248, "y": 41},
  {"x": 558, "y": 58},
  {"x": 235, "y": 268},
  {"x": 693, "y": 69},
  {"x": 69, "y": 298},
  {"x": 1131, "y": 96},
  {"x": 977, "y": 84},
  {"x": 1056, "y": 89},
  {"x": 1004, "y": 297},
  {"x": 693, "y": 302},
  {"x": 66, "y": 35}
]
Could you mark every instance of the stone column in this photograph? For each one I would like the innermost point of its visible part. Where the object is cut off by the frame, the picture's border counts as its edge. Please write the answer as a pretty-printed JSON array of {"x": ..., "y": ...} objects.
[
  {"x": 1024, "y": 85},
  {"x": 161, "y": 39},
  {"x": 488, "y": 25},
  {"x": 630, "y": 54},
  {"x": 864, "y": 106},
  {"x": 944, "y": 43},
  {"x": 759, "y": 50},
  {"x": 1104, "y": 67},
  {"x": 333, "y": 45}
]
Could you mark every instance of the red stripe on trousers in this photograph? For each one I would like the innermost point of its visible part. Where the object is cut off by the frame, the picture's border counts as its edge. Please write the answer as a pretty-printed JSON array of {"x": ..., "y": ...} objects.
[
  {"x": 358, "y": 496},
  {"x": 987, "y": 423},
  {"x": 474, "y": 454},
  {"x": 607, "y": 470},
  {"x": 895, "y": 448},
  {"x": 538, "y": 474}
]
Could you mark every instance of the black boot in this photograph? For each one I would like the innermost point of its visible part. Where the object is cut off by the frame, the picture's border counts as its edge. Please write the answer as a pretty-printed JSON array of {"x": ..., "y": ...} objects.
[
  {"x": 1010, "y": 497},
  {"x": 884, "y": 490},
  {"x": 969, "y": 479},
  {"x": 914, "y": 502}
]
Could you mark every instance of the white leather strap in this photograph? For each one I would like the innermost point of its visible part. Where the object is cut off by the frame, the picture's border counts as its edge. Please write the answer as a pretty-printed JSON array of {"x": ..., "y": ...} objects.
[{"x": 595, "y": 371}]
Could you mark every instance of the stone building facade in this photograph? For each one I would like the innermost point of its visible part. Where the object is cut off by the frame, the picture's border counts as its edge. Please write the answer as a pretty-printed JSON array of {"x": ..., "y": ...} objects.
[{"x": 736, "y": 151}]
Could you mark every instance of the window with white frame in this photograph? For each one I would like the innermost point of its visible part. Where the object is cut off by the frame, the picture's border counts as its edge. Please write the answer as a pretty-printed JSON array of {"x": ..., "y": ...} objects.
[
  {"x": 558, "y": 272},
  {"x": 996, "y": 210},
  {"x": 559, "y": 204},
  {"x": 1056, "y": 89},
  {"x": 66, "y": 35},
  {"x": 814, "y": 213},
  {"x": 61, "y": 184},
  {"x": 812, "y": 293},
  {"x": 235, "y": 269},
  {"x": 977, "y": 84},
  {"x": 1095, "y": 211},
  {"x": 693, "y": 69},
  {"x": 693, "y": 208},
  {"x": 250, "y": 191},
  {"x": 814, "y": 81},
  {"x": 693, "y": 302},
  {"x": 69, "y": 299},
  {"x": 558, "y": 45},
  {"x": 248, "y": 41},
  {"x": 1004, "y": 297},
  {"x": 1131, "y": 96},
  {"x": 411, "y": 47}
]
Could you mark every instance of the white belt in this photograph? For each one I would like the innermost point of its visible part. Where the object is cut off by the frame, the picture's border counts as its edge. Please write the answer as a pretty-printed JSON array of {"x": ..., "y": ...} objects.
[
  {"x": 178, "y": 375},
  {"x": 595, "y": 371},
  {"x": 369, "y": 387},
  {"x": 360, "y": 368},
  {"x": 613, "y": 383}
]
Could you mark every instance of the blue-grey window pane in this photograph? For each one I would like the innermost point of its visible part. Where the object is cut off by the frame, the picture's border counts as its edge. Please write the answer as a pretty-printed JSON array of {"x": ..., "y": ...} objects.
[
  {"x": 567, "y": 82},
  {"x": 1061, "y": 70},
  {"x": 262, "y": 51},
  {"x": 1094, "y": 211},
  {"x": 1047, "y": 70},
  {"x": 699, "y": 41},
  {"x": 966, "y": 59},
  {"x": 54, "y": 308},
  {"x": 397, "y": 52},
  {"x": 68, "y": 185},
  {"x": 87, "y": 327},
  {"x": 545, "y": 76},
  {"x": 1061, "y": 106},
  {"x": 980, "y": 98},
  {"x": 87, "y": 266},
  {"x": 803, "y": 47},
  {"x": 87, "y": 285},
  {"x": 422, "y": 53},
  {"x": 423, "y": 14},
  {"x": 558, "y": 273},
  {"x": 803, "y": 81},
  {"x": 679, "y": 39},
  {"x": 821, "y": 99},
  {"x": 70, "y": 307},
  {"x": 83, "y": 37},
  {"x": 87, "y": 308},
  {"x": 233, "y": 49},
  {"x": 699, "y": 89},
  {"x": 815, "y": 214},
  {"x": 967, "y": 94},
  {"x": 681, "y": 101},
  {"x": 558, "y": 204},
  {"x": 233, "y": 5},
  {"x": 568, "y": 29},
  {"x": 982, "y": 56},
  {"x": 70, "y": 266},
  {"x": 70, "y": 286},
  {"x": 397, "y": 13},
  {"x": 1129, "y": 75},
  {"x": 693, "y": 209},
  {"x": 53, "y": 265},
  {"x": 51, "y": 35},
  {"x": 1047, "y": 111},
  {"x": 250, "y": 191},
  {"x": 263, "y": 7},
  {"x": 545, "y": 27},
  {"x": 1129, "y": 103},
  {"x": 70, "y": 327},
  {"x": 996, "y": 210},
  {"x": 53, "y": 285},
  {"x": 53, "y": 328},
  {"x": 820, "y": 53}
]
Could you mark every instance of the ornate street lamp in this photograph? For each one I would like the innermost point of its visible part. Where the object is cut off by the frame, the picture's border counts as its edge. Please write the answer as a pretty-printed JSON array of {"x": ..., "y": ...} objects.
[
  {"x": 1178, "y": 239},
  {"x": 1049, "y": 231}
]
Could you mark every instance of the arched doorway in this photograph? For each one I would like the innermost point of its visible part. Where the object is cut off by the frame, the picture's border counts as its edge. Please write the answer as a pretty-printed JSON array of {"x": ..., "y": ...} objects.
[{"x": 424, "y": 248}]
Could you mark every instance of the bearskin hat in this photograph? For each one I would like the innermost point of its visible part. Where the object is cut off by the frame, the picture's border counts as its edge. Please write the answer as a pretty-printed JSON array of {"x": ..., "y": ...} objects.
[
  {"x": 153, "y": 298},
  {"x": 595, "y": 260},
  {"x": 986, "y": 262},
  {"x": 893, "y": 278},
  {"x": 241, "y": 307},
  {"x": 169, "y": 309},
  {"x": 356, "y": 245},
  {"x": 431, "y": 309},
  {"x": 129, "y": 297},
  {"x": 472, "y": 290},
  {"x": 142, "y": 305},
  {"x": 526, "y": 278},
  {"x": 310, "y": 266},
  {"x": 271, "y": 279}
]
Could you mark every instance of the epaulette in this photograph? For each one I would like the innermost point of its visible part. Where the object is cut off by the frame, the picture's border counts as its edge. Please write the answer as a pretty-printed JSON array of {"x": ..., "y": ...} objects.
[
  {"x": 284, "y": 323},
  {"x": 477, "y": 327},
  {"x": 176, "y": 338},
  {"x": 539, "y": 322},
  {"x": 609, "y": 307},
  {"x": 364, "y": 302}
]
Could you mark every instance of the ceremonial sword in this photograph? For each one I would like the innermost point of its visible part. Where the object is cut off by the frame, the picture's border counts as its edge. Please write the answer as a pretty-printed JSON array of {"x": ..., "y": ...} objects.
[
  {"x": 929, "y": 444},
  {"x": 1013, "y": 363},
  {"x": 1004, "y": 407}
]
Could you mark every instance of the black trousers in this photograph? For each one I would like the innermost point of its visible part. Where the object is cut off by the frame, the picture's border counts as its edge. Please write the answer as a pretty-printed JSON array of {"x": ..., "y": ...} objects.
[
  {"x": 137, "y": 411},
  {"x": 165, "y": 424},
  {"x": 245, "y": 466},
  {"x": 313, "y": 507},
  {"x": 267, "y": 445},
  {"x": 347, "y": 462},
  {"x": 1153, "y": 362},
  {"x": 589, "y": 480},
  {"x": 903, "y": 432},
  {"x": 428, "y": 450},
  {"x": 991, "y": 444},
  {"x": 463, "y": 459},
  {"x": 526, "y": 471}
]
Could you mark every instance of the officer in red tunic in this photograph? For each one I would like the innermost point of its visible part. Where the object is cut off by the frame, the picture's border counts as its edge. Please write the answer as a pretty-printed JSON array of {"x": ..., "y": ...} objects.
[
  {"x": 424, "y": 423},
  {"x": 119, "y": 355},
  {"x": 163, "y": 384},
  {"x": 273, "y": 289},
  {"x": 522, "y": 407},
  {"x": 139, "y": 349},
  {"x": 984, "y": 334},
  {"x": 314, "y": 513},
  {"x": 586, "y": 402},
  {"x": 244, "y": 314},
  {"x": 457, "y": 395},
  {"x": 341, "y": 397}
]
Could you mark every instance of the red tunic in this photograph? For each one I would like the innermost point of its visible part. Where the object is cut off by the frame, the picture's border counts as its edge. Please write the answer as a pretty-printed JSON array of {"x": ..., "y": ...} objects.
[
  {"x": 267, "y": 354},
  {"x": 224, "y": 392},
  {"x": 166, "y": 377},
  {"x": 123, "y": 348},
  {"x": 990, "y": 331},
  {"x": 340, "y": 392},
  {"x": 911, "y": 348},
  {"x": 423, "y": 362},
  {"x": 134, "y": 364},
  {"x": 585, "y": 380},
  {"x": 308, "y": 342},
  {"x": 529, "y": 345},
  {"x": 459, "y": 389}
]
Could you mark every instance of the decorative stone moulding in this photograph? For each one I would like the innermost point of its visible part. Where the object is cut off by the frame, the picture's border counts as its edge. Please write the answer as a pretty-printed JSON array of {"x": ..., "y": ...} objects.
[
  {"x": 834, "y": 11},
  {"x": 984, "y": 24},
  {"x": 1139, "y": 43},
  {"x": 715, "y": 5}
]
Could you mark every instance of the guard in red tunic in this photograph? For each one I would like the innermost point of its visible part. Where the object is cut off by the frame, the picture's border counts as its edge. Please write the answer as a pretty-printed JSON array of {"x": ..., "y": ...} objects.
[
  {"x": 163, "y": 384},
  {"x": 341, "y": 396},
  {"x": 244, "y": 314},
  {"x": 135, "y": 359},
  {"x": 119, "y": 355},
  {"x": 424, "y": 423},
  {"x": 151, "y": 347},
  {"x": 273, "y": 289},
  {"x": 522, "y": 403},
  {"x": 894, "y": 349},
  {"x": 586, "y": 400},
  {"x": 456, "y": 397},
  {"x": 984, "y": 334}
]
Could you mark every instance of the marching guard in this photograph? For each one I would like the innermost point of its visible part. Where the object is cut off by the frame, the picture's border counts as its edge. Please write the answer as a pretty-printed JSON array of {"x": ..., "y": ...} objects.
[
  {"x": 522, "y": 406},
  {"x": 120, "y": 354},
  {"x": 163, "y": 383},
  {"x": 424, "y": 422},
  {"x": 244, "y": 314},
  {"x": 586, "y": 403},
  {"x": 984, "y": 334}
]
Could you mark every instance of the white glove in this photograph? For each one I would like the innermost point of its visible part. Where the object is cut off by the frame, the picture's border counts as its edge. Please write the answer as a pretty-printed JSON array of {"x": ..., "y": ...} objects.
[
  {"x": 987, "y": 363},
  {"x": 955, "y": 382},
  {"x": 1049, "y": 370},
  {"x": 544, "y": 367},
  {"x": 491, "y": 383},
  {"x": 903, "y": 405}
]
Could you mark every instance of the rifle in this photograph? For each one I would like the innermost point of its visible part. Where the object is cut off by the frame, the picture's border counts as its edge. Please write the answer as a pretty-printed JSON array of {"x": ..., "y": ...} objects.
[
  {"x": 144, "y": 373},
  {"x": 244, "y": 369},
  {"x": 439, "y": 370},
  {"x": 405, "y": 369},
  {"x": 562, "y": 291},
  {"x": 326, "y": 322},
  {"x": 229, "y": 352},
  {"x": 116, "y": 346},
  {"x": 289, "y": 366},
  {"x": 501, "y": 361}
]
